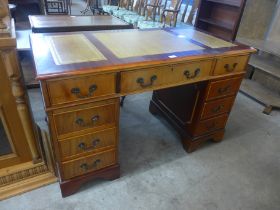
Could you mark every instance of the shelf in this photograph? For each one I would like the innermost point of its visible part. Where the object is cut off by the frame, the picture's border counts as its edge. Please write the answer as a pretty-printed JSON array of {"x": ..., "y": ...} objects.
[
  {"x": 227, "y": 2},
  {"x": 266, "y": 64},
  {"x": 267, "y": 46},
  {"x": 218, "y": 23},
  {"x": 261, "y": 94}
]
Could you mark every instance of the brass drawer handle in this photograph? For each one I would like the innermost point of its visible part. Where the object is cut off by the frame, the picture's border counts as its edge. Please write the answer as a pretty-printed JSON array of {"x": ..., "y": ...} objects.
[
  {"x": 188, "y": 74},
  {"x": 230, "y": 69},
  {"x": 84, "y": 147},
  {"x": 224, "y": 90},
  {"x": 76, "y": 91},
  {"x": 82, "y": 123},
  {"x": 86, "y": 167},
  {"x": 217, "y": 109},
  {"x": 141, "y": 81}
]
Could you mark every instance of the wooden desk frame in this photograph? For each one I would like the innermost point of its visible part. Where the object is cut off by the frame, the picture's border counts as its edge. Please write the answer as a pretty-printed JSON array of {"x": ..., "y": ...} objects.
[{"x": 194, "y": 91}]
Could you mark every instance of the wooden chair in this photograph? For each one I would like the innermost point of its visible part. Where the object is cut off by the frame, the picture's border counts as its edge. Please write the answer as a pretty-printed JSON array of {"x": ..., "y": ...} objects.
[
  {"x": 89, "y": 4},
  {"x": 152, "y": 8},
  {"x": 110, "y": 6},
  {"x": 126, "y": 7},
  {"x": 137, "y": 14},
  {"x": 168, "y": 17},
  {"x": 188, "y": 15},
  {"x": 170, "y": 14},
  {"x": 191, "y": 16}
]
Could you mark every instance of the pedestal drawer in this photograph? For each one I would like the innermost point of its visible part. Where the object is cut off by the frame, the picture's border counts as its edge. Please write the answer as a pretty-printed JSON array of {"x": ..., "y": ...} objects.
[
  {"x": 91, "y": 143},
  {"x": 85, "y": 119},
  {"x": 156, "y": 77},
  {"x": 231, "y": 64},
  {"x": 79, "y": 88},
  {"x": 211, "y": 109},
  {"x": 90, "y": 163},
  {"x": 210, "y": 125},
  {"x": 221, "y": 88}
]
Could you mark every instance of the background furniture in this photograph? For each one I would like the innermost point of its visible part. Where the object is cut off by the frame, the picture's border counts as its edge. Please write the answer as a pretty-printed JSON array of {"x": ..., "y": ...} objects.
[
  {"x": 22, "y": 163},
  {"x": 263, "y": 80},
  {"x": 27, "y": 7},
  {"x": 81, "y": 90},
  {"x": 58, "y": 7},
  {"x": 220, "y": 17},
  {"x": 65, "y": 23}
]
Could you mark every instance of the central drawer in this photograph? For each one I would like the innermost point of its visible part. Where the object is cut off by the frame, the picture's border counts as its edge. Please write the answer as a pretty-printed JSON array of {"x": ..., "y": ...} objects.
[
  {"x": 84, "y": 119},
  {"x": 88, "y": 164},
  {"x": 158, "y": 77}
]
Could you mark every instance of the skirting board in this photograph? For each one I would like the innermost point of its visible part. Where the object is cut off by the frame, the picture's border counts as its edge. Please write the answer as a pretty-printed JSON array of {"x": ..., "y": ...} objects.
[{"x": 26, "y": 185}]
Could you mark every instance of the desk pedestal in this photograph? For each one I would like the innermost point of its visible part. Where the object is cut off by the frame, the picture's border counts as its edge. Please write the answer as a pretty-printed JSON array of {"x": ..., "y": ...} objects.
[{"x": 199, "y": 112}]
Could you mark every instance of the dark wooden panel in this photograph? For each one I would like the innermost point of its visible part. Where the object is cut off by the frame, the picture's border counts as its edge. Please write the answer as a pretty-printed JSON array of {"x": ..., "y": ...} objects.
[
  {"x": 220, "y": 17},
  {"x": 179, "y": 101}
]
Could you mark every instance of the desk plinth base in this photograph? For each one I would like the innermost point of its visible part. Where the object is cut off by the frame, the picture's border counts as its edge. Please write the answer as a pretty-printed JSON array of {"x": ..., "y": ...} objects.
[
  {"x": 190, "y": 143},
  {"x": 71, "y": 186}
]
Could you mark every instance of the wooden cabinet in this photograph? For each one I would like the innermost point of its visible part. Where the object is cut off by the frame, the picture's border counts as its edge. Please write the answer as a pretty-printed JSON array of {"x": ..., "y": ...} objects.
[
  {"x": 22, "y": 166},
  {"x": 220, "y": 17},
  {"x": 84, "y": 136}
]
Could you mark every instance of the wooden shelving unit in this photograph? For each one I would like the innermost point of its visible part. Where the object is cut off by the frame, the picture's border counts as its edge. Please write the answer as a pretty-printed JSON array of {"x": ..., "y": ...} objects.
[{"x": 220, "y": 17}]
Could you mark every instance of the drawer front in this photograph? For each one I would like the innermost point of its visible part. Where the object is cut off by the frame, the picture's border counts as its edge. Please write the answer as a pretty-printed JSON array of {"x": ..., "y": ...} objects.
[
  {"x": 82, "y": 145},
  {"x": 206, "y": 126},
  {"x": 75, "y": 89},
  {"x": 231, "y": 65},
  {"x": 217, "y": 107},
  {"x": 85, "y": 120},
  {"x": 223, "y": 88},
  {"x": 153, "y": 78},
  {"x": 90, "y": 163}
]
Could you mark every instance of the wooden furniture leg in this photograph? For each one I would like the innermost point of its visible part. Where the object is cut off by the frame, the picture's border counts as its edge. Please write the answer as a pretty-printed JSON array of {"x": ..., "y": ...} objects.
[
  {"x": 71, "y": 186},
  {"x": 190, "y": 144}
]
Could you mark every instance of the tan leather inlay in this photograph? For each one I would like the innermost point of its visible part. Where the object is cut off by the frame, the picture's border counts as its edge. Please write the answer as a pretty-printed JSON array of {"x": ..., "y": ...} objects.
[
  {"x": 203, "y": 38},
  {"x": 73, "y": 48},
  {"x": 140, "y": 43}
]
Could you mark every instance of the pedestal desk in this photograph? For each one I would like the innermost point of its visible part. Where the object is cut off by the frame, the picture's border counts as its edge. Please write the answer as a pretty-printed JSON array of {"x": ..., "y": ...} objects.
[{"x": 195, "y": 78}]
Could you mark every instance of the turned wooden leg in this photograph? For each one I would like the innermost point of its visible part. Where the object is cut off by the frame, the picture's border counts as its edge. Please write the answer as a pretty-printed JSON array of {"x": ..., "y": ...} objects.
[{"x": 71, "y": 186}]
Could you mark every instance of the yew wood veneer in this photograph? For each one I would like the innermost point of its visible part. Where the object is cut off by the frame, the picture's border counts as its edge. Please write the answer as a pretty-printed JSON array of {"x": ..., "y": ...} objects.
[{"x": 195, "y": 78}]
